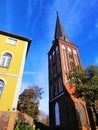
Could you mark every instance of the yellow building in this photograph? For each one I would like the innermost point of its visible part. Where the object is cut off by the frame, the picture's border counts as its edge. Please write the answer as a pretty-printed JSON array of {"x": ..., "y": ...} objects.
[{"x": 13, "y": 51}]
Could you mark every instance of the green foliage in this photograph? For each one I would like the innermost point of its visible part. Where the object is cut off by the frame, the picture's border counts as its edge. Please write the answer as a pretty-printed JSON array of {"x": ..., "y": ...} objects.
[
  {"x": 24, "y": 127},
  {"x": 29, "y": 101},
  {"x": 44, "y": 118},
  {"x": 77, "y": 75},
  {"x": 86, "y": 81},
  {"x": 16, "y": 128}
]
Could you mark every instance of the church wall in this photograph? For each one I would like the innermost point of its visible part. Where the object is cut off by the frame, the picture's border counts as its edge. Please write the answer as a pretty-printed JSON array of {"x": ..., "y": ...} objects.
[{"x": 67, "y": 112}]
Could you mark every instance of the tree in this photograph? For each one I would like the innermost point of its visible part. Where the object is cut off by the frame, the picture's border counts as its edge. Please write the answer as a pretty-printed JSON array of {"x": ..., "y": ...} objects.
[
  {"x": 29, "y": 101},
  {"x": 44, "y": 118},
  {"x": 86, "y": 81}
]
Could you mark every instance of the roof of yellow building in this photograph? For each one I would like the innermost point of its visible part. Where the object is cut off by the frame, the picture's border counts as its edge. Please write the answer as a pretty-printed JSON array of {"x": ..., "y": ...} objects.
[{"x": 17, "y": 37}]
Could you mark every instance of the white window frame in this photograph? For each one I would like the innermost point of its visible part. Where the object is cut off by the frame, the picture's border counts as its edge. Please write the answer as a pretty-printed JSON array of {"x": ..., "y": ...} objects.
[
  {"x": 11, "y": 41},
  {"x": 6, "y": 60},
  {"x": 1, "y": 86}
]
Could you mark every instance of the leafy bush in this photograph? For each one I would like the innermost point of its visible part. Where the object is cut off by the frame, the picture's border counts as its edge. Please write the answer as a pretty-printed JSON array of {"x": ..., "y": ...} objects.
[{"x": 24, "y": 127}]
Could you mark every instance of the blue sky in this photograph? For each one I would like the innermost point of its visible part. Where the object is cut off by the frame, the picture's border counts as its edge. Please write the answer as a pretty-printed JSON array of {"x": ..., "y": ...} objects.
[{"x": 36, "y": 19}]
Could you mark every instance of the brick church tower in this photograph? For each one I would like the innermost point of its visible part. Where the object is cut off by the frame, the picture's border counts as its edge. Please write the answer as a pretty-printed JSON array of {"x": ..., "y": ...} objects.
[{"x": 62, "y": 58}]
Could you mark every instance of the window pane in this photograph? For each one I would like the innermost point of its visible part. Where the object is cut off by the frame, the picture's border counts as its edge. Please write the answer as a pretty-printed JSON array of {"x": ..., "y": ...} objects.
[
  {"x": 1, "y": 90},
  {"x": 57, "y": 114},
  {"x": 7, "y": 62},
  {"x": 1, "y": 86},
  {"x": 6, "y": 59},
  {"x": 2, "y": 61}
]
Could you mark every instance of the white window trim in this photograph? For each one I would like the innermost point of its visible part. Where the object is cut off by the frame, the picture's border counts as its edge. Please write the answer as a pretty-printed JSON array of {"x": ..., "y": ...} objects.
[
  {"x": 69, "y": 49},
  {"x": 12, "y": 41},
  {"x": 2, "y": 86},
  {"x": 5, "y": 59}
]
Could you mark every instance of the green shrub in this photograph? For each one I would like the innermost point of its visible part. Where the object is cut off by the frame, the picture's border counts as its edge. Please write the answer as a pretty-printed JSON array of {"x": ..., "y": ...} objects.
[
  {"x": 16, "y": 128},
  {"x": 24, "y": 127}
]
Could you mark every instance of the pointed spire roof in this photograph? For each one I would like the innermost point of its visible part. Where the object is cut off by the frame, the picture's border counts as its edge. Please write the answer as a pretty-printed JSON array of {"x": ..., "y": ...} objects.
[{"x": 59, "y": 30}]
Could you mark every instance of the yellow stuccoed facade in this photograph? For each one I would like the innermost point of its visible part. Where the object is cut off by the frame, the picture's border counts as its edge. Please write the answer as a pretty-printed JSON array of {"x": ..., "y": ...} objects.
[{"x": 17, "y": 47}]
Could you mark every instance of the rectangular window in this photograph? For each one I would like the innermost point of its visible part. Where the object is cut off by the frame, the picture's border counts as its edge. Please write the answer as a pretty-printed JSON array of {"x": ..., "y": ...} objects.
[{"x": 11, "y": 41}]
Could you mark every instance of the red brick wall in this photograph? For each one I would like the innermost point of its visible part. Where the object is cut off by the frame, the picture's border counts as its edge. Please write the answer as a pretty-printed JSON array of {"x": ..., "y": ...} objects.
[
  {"x": 7, "y": 119},
  {"x": 4, "y": 118}
]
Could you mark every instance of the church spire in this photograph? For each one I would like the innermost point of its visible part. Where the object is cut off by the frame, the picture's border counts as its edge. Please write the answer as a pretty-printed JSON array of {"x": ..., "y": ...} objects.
[{"x": 59, "y": 31}]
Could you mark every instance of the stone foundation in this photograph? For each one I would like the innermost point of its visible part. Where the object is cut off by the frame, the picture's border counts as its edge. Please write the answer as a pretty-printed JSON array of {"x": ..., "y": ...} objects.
[{"x": 8, "y": 119}]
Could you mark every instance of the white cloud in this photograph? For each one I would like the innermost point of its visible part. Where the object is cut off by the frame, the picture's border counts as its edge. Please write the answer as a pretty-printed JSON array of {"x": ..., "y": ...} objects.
[
  {"x": 96, "y": 61},
  {"x": 41, "y": 80},
  {"x": 70, "y": 19},
  {"x": 29, "y": 14},
  {"x": 96, "y": 23},
  {"x": 33, "y": 12},
  {"x": 24, "y": 85},
  {"x": 8, "y": 15},
  {"x": 93, "y": 3},
  {"x": 30, "y": 10},
  {"x": 38, "y": 12},
  {"x": 44, "y": 106},
  {"x": 30, "y": 73}
]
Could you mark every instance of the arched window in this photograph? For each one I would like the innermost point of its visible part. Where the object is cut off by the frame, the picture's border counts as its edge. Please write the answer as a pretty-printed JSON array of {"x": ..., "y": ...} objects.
[
  {"x": 57, "y": 114},
  {"x": 1, "y": 86},
  {"x": 6, "y": 59}
]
